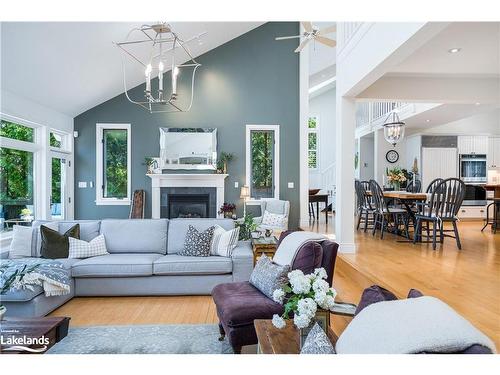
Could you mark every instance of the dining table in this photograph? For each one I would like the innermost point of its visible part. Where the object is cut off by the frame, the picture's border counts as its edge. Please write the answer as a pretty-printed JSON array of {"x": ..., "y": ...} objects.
[{"x": 407, "y": 199}]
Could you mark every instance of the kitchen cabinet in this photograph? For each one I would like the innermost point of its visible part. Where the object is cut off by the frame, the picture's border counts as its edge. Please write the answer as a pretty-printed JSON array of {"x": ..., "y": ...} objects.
[
  {"x": 493, "y": 152},
  {"x": 472, "y": 212},
  {"x": 472, "y": 144},
  {"x": 438, "y": 162}
]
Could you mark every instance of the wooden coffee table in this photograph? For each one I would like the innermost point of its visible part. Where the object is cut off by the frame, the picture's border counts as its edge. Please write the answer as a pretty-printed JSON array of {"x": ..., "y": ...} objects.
[
  {"x": 263, "y": 246},
  {"x": 54, "y": 329},
  {"x": 280, "y": 341}
]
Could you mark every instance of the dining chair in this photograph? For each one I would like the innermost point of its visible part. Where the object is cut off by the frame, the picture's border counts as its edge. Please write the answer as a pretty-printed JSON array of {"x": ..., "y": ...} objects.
[
  {"x": 365, "y": 207},
  {"x": 414, "y": 188},
  {"x": 443, "y": 206},
  {"x": 433, "y": 184},
  {"x": 383, "y": 213}
]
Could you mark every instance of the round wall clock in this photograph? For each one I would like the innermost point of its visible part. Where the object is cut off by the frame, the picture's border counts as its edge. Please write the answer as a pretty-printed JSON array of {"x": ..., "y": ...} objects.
[{"x": 392, "y": 156}]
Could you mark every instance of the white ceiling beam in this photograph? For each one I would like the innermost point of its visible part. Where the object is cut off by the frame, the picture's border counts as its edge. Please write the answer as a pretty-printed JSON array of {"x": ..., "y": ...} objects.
[{"x": 453, "y": 90}]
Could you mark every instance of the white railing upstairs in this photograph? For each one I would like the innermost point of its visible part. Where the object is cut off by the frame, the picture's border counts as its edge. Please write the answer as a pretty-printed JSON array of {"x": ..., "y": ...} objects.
[
  {"x": 373, "y": 112},
  {"x": 345, "y": 32}
]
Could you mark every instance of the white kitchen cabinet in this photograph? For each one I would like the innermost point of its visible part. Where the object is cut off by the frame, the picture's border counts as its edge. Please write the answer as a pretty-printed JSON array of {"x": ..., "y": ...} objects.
[
  {"x": 494, "y": 152},
  {"x": 438, "y": 162},
  {"x": 472, "y": 144}
]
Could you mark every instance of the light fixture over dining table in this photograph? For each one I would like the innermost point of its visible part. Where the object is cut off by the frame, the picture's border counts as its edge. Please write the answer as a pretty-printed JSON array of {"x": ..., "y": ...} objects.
[
  {"x": 394, "y": 128},
  {"x": 153, "y": 48}
]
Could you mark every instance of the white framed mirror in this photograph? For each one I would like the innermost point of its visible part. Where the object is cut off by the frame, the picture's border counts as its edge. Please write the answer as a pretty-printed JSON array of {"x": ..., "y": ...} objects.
[{"x": 188, "y": 148}]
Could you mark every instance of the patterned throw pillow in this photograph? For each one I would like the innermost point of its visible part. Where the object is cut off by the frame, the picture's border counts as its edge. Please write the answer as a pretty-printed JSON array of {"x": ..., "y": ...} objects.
[
  {"x": 224, "y": 241},
  {"x": 197, "y": 244},
  {"x": 317, "y": 342},
  {"x": 274, "y": 220},
  {"x": 268, "y": 276},
  {"x": 83, "y": 249}
]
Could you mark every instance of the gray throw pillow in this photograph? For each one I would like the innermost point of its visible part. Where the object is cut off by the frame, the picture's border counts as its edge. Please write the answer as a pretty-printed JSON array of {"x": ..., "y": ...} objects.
[
  {"x": 197, "y": 244},
  {"x": 317, "y": 342},
  {"x": 268, "y": 276}
]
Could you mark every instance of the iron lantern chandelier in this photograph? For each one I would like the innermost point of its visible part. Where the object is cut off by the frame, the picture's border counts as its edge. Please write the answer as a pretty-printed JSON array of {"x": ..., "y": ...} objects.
[
  {"x": 153, "y": 49},
  {"x": 394, "y": 128}
]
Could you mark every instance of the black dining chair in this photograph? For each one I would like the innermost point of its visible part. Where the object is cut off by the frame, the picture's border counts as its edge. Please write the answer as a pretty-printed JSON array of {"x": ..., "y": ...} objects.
[
  {"x": 365, "y": 207},
  {"x": 414, "y": 188},
  {"x": 385, "y": 215},
  {"x": 433, "y": 184},
  {"x": 445, "y": 201}
]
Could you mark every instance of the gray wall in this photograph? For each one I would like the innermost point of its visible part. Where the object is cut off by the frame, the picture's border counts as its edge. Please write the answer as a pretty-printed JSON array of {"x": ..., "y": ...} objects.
[{"x": 252, "y": 79}]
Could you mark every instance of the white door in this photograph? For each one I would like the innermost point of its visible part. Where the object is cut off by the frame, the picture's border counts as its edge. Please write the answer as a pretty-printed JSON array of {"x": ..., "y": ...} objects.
[
  {"x": 438, "y": 163},
  {"x": 59, "y": 197}
]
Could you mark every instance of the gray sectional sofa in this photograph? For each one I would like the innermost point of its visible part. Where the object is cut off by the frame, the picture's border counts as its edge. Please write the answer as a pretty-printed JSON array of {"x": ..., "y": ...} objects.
[{"x": 143, "y": 260}]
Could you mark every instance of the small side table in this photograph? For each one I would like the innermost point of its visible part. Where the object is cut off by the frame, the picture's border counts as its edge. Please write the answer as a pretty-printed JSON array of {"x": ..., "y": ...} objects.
[{"x": 264, "y": 246}]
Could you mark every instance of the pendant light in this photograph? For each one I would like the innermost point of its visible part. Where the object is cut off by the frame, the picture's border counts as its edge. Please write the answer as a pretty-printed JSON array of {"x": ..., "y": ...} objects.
[{"x": 394, "y": 128}]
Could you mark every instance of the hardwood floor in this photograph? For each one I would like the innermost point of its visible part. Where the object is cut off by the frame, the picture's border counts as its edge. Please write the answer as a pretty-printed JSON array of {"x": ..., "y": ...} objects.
[{"x": 468, "y": 280}]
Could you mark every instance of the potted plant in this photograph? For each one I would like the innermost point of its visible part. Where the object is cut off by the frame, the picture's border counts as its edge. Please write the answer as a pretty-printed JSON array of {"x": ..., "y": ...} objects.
[
  {"x": 227, "y": 209},
  {"x": 224, "y": 159},
  {"x": 13, "y": 280},
  {"x": 396, "y": 176},
  {"x": 149, "y": 162},
  {"x": 247, "y": 226},
  {"x": 309, "y": 298}
]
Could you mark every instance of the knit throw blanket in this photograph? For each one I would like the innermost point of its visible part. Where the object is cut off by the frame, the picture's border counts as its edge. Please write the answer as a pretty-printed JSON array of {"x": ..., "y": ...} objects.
[
  {"x": 289, "y": 247},
  {"x": 48, "y": 273}
]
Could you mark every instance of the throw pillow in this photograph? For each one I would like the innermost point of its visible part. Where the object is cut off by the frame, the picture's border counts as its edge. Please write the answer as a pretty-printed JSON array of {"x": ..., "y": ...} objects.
[
  {"x": 20, "y": 246},
  {"x": 224, "y": 241},
  {"x": 56, "y": 245},
  {"x": 197, "y": 244},
  {"x": 317, "y": 342},
  {"x": 374, "y": 294},
  {"x": 415, "y": 293},
  {"x": 83, "y": 249},
  {"x": 36, "y": 241},
  {"x": 268, "y": 276},
  {"x": 273, "y": 220}
]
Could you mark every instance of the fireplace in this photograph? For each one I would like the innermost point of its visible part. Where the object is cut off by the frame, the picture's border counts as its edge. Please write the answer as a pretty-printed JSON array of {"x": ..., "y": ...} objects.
[{"x": 188, "y": 202}]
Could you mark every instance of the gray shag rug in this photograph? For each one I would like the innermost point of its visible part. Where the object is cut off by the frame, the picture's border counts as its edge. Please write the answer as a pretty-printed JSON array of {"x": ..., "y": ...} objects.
[{"x": 143, "y": 339}]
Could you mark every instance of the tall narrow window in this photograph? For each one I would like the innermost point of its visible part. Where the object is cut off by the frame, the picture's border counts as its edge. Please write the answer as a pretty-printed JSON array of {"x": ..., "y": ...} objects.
[
  {"x": 312, "y": 143},
  {"x": 113, "y": 164},
  {"x": 262, "y": 143},
  {"x": 16, "y": 174}
]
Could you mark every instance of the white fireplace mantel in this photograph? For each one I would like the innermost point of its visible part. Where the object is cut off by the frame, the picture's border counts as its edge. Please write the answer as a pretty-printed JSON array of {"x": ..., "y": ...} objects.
[{"x": 184, "y": 180}]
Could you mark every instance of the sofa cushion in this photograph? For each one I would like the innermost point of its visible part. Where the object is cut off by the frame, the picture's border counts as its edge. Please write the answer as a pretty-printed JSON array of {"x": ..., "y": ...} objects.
[
  {"x": 89, "y": 229},
  {"x": 240, "y": 303},
  {"x": 135, "y": 235},
  {"x": 174, "y": 264},
  {"x": 177, "y": 230},
  {"x": 115, "y": 265}
]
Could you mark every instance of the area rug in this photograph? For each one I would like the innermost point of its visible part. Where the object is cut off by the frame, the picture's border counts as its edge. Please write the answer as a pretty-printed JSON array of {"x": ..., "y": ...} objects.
[{"x": 143, "y": 339}]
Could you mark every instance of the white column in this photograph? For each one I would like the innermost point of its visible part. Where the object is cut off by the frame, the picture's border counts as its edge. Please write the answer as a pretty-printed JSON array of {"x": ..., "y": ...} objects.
[{"x": 344, "y": 148}]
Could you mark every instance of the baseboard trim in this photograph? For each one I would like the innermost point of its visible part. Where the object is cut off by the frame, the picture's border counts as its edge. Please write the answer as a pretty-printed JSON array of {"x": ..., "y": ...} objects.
[{"x": 347, "y": 248}]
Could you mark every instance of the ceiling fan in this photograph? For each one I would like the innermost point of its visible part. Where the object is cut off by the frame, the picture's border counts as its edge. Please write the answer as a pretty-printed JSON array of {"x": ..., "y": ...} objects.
[{"x": 311, "y": 32}]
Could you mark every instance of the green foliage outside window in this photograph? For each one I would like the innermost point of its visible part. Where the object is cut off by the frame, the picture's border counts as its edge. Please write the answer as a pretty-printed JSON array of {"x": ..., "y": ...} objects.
[
  {"x": 55, "y": 140},
  {"x": 262, "y": 146},
  {"x": 312, "y": 123},
  {"x": 115, "y": 163},
  {"x": 15, "y": 131},
  {"x": 56, "y": 181}
]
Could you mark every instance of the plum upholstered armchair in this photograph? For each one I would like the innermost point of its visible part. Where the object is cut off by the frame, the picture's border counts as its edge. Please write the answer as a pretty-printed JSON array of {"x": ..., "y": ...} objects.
[{"x": 240, "y": 303}]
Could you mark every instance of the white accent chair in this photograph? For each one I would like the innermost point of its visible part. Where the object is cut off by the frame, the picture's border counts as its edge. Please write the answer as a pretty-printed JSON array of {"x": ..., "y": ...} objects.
[{"x": 274, "y": 206}]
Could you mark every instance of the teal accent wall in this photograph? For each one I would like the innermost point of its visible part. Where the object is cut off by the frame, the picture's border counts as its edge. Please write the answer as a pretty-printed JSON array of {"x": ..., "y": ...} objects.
[{"x": 252, "y": 79}]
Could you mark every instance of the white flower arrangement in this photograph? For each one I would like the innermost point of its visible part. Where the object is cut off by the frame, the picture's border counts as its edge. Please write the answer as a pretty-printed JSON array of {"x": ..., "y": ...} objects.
[{"x": 303, "y": 295}]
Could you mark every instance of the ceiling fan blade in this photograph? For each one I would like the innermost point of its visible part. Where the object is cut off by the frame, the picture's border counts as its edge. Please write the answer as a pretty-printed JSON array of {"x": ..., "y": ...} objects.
[
  {"x": 287, "y": 37},
  {"x": 307, "y": 26},
  {"x": 302, "y": 45},
  {"x": 328, "y": 30},
  {"x": 326, "y": 41}
]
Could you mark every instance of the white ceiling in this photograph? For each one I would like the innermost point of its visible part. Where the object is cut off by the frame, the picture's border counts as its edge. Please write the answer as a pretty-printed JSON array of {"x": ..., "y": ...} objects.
[
  {"x": 71, "y": 67},
  {"x": 479, "y": 54}
]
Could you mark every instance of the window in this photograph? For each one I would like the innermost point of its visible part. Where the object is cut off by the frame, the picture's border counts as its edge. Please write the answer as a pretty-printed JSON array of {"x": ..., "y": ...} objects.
[
  {"x": 113, "y": 164},
  {"x": 312, "y": 143},
  {"x": 16, "y": 174},
  {"x": 262, "y": 161},
  {"x": 16, "y": 131}
]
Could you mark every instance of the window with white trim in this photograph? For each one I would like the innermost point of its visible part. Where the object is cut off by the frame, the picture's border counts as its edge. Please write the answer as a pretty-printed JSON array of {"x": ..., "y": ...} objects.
[
  {"x": 262, "y": 161},
  {"x": 17, "y": 174},
  {"x": 313, "y": 142},
  {"x": 113, "y": 164}
]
